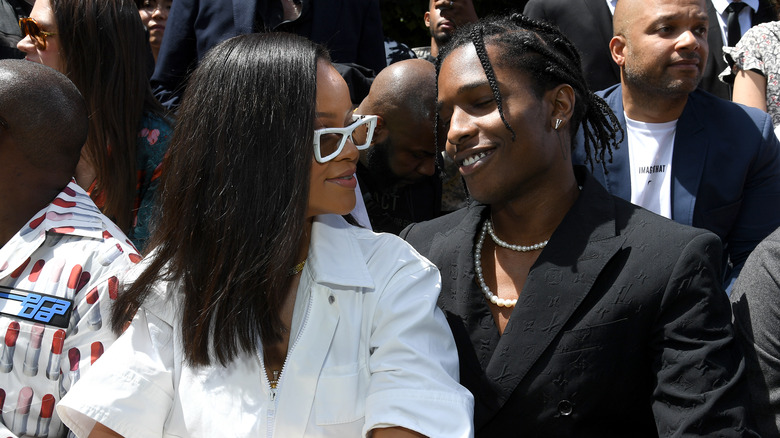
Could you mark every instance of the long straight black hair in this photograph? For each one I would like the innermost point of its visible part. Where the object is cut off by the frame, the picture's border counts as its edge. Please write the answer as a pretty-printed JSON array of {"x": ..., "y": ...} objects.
[
  {"x": 104, "y": 52},
  {"x": 234, "y": 194}
]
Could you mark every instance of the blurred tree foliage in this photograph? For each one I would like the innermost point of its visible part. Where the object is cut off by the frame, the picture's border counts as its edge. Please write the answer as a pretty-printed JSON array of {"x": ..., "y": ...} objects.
[{"x": 402, "y": 20}]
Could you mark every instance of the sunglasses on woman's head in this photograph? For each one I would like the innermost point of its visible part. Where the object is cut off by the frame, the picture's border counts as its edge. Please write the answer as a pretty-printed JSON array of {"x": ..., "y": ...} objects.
[{"x": 31, "y": 28}]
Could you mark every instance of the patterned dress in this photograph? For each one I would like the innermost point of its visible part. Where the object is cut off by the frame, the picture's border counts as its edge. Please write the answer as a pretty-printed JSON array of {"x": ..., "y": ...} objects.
[
  {"x": 151, "y": 146},
  {"x": 758, "y": 51}
]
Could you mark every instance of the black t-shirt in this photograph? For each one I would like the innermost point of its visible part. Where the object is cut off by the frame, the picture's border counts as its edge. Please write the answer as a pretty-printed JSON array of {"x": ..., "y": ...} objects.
[{"x": 391, "y": 209}]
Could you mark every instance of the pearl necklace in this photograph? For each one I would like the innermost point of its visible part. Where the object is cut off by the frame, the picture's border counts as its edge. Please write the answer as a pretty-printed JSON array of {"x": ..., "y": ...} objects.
[
  {"x": 500, "y": 302},
  {"x": 520, "y": 248},
  {"x": 488, "y": 228}
]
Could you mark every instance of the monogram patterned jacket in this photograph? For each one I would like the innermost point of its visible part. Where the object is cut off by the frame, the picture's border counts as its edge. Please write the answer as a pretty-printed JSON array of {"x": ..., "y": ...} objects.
[{"x": 621, "y": 329}]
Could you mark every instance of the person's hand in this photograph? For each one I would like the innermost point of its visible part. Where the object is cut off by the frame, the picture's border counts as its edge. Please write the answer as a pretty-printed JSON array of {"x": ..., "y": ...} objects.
[{"x": 459, "y": 12}]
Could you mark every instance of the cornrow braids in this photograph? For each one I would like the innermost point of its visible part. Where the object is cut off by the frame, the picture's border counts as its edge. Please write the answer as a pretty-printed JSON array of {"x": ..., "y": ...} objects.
[
  {"x": 438, "y": 157},
  {"x": 478, "y": 39},
  {"x": 549, "y": 59}
]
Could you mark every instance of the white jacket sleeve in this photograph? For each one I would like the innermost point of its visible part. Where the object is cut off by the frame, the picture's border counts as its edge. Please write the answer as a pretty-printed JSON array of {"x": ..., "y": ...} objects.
[
  {"x": 144, "y": 354},
  {"x": 414, "y": 361}
]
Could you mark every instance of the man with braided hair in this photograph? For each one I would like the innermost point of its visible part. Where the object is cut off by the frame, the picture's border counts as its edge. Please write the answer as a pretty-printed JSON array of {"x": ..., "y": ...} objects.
[
  {"x": 687, "y": 155},
  {"x": 575, "y": 313}
]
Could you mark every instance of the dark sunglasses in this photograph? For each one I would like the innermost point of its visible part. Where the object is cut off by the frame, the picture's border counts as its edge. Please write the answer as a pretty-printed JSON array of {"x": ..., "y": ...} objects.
[{"x": 31, "y": 28}]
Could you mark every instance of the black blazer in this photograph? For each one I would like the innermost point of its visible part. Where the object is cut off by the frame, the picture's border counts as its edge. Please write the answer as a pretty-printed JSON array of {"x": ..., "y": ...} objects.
[
  {"x": 588, "y": 24},
  {"x": 715, "y": 61},
  {"x": 622, "y": 328}
]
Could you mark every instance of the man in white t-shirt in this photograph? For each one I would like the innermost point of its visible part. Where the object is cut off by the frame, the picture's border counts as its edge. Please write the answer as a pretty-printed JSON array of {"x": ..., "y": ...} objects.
[{"x": 686, "y": 154}]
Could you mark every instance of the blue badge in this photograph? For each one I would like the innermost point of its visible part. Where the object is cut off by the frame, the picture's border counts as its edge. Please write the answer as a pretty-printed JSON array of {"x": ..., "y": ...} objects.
[{"x": 37, "y": 307}]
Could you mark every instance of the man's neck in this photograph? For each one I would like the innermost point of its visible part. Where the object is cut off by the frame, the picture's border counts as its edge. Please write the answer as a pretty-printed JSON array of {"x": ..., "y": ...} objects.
[
  {"x": 652, "y": 108},
  {"x": 17, "y": 207},
  {"x": 434, "y": 48}
]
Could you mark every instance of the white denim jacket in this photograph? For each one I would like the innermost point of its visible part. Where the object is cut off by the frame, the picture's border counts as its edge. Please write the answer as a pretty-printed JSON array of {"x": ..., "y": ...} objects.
[{"x": 369, "y": 349}]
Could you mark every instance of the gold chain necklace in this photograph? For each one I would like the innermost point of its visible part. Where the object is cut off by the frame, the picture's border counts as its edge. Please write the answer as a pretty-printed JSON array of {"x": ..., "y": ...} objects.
[{"x": 297, "y": 268}]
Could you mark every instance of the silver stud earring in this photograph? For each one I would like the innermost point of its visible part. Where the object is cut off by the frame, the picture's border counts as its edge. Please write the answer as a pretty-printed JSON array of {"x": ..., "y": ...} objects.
[{"x": 557, "y": 124}]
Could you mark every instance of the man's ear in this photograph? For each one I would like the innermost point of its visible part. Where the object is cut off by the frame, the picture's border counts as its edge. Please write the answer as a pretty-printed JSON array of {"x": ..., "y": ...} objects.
[
  {"x": 427, "y": 19},
  {"x": 380, "y": 132},
  {"x": 562, "y": 99},
  {"x": 617, "y": 47}
]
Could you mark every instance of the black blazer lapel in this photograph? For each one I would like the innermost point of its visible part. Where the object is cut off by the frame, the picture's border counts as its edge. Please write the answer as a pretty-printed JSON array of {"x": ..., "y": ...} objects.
[
  {"x": 461, "y": 300},
  {"x": 600, "y": 12},
  {"x": 691, "y": 144},
  {"x": 558, "y": 283}
]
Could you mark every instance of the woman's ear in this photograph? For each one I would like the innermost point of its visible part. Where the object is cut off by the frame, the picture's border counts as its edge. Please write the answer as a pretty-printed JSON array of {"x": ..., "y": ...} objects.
[{"x": 562, "y": 99}]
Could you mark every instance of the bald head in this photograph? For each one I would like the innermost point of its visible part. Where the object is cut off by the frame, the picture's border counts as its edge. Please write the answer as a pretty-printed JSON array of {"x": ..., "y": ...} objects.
[
  {"x": 621, "y": 19},
  {"x": 403, "y": 95},
  {"x": 43, "y": 115},
  {"x": 661, "y": 48},
  {"x": 406, "y": 87},
  {"x": 627, "y": 12}
]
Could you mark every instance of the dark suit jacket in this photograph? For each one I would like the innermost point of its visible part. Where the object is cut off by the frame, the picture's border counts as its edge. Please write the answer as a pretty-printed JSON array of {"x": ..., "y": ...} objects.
[
  {"x": 622, "y": 328},
  {"x": 725, "y": 171},
  {"x": 588, "y": 24},
  {"x": 10, "y": 34},
  {"x": 755, "y": 302},
  {"x": 715, "y": 61},
  {"x": 351, "y": 29}
]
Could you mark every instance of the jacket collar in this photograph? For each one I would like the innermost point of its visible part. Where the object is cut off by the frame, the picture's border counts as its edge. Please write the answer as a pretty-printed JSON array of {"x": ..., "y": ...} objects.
[
  {"x": 72, "y": 212},
  {"x": 691, "y": 145},
  {"x": 619, "y": 172},
  {"x": 335, "y": 255},
  {"x": 579, "y": 249}
]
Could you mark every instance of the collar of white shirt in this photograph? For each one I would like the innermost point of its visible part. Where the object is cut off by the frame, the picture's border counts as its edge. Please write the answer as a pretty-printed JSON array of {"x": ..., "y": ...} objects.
[
  {"x": 335, "y": 255},
  {"x": 721, "y": 5},
  {"x": 611, "y": 5}
]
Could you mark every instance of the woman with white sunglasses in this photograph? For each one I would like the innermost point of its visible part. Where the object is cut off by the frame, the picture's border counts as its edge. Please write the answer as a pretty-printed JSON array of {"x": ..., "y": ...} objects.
[{"x": 261, "y": 311}]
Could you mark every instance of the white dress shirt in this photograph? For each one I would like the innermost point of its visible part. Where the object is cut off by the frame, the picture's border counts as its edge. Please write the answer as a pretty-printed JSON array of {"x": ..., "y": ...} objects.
[
  {"x": 745, "y": 16},
  {"x": 611, "y": 4}
]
